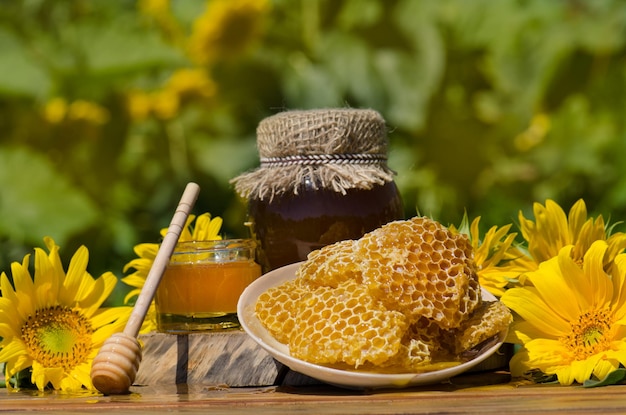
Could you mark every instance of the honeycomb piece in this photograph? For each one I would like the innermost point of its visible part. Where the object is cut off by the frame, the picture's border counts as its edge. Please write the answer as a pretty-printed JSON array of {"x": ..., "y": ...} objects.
[
  {"x": 345, "y": 325},
  {"x": 422, "y": 345},
  {"x": 485, "y": 322},
  {"x": 403, "y": 298},
  {"x": 276, "y": 307},
  {"x": 331, "y": 265},
  {"x": 422, "y": 269}
]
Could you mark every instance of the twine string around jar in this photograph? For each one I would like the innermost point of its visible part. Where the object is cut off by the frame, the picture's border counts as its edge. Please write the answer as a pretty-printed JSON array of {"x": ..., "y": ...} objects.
[{"x": 320, "y": 159}]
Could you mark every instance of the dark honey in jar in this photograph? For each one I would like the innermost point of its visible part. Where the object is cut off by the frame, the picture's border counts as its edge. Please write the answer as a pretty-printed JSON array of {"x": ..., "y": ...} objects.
[{"x": 323, "y": 178}]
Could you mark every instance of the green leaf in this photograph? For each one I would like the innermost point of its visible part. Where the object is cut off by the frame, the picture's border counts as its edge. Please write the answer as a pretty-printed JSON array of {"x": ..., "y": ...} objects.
[
  {"x": 412, "y": 77},
  {"x": 612, "y": 378},
  {"x": 187, "y": 11},
  {"x": 409, "y": 89},
  {"x": 224, "y": 158},
  {"x": 310, "y": 85},
  {"x": 350, "y": 62},
  {"x": 359, "y": 13},
  {"x": 37, "y": 201},
  {"x": 122, "y": 47},
  {"x": 19, "y": 73},
  {"x": 601, "y": 30}
]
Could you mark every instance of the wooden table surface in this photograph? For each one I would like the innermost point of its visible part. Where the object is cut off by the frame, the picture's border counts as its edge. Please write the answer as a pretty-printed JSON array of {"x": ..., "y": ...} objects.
[
  {"x": 221, "y": 373},
  {"x": 483, "y": 393}
]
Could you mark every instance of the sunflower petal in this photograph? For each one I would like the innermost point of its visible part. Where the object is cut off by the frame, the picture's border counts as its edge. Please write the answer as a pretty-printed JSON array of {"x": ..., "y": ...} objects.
[
  {"x": 577, "y": 217},
  {"x": 518, "y": 365},
  {"x": 75, "y": 281},
  {"x": 7, "y": 291},
  {"x": 110, "y": 315},
  {"x": 21, "y": 277},
  {"x": 554, "y": 288},
  {"x": 57, "y": 272},
  {"x": 576, "y": 279},
  {"x": 556, "y": 225},
  {"x": 601, "y": 286},
  {"x": 79, "y": 377},
  {"x": 581, "y": 370},
  {"x": 12, "y": 351},
  {"x": 618, "y": 277},
  {"x": 9, "y": 328},
  {"x": 522, "y": 332},
  {"x": 532, "y": 308},
  {"x": 99, "y": 290}
]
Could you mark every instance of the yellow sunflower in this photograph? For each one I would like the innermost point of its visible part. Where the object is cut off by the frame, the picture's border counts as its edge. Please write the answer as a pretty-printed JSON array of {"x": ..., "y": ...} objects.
[
  {"x": 226, "y": 29},
  {"x": 552, "y": 230},
  {"x": 205, "y": 229},
  {"x": 191, "y": 83},
  {"x": 53, "y": 322},
  {"x": 498, "y": 258},
  {"x": 160, "y": 12},
  {"x": 573, "y": 317}
]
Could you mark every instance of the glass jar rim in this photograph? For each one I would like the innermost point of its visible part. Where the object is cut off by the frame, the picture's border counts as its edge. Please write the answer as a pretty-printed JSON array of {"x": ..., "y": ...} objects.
[
  {"x": 211, "y": 244},
  {"x": 213, "y": 251}
]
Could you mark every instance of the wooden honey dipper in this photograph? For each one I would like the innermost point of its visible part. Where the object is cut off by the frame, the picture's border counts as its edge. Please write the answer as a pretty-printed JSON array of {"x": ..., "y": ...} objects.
[{"x": 115, "y": 366}]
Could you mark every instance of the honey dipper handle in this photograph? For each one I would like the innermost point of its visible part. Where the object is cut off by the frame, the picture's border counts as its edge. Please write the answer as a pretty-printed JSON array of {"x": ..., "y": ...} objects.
[{"x": 161, "y": 260}]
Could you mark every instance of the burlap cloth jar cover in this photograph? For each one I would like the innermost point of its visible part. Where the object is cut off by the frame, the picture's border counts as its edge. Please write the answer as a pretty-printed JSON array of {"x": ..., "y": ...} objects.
[{"x": 336, "y": 149}]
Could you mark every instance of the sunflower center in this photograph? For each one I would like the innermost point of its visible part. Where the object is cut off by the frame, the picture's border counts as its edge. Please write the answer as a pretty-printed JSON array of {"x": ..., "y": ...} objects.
[
  {"x": 58, "y": 337},
  {"x": 590, "y": 334}
]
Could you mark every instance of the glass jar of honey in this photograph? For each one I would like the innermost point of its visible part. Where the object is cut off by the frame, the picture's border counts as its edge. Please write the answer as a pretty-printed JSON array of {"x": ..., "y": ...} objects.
[
  {"x": 323, "y": 178},
  {"x": 202, "y": 283}
]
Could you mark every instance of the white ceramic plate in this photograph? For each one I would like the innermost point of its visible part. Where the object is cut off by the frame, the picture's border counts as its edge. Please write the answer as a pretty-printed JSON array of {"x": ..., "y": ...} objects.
[{"x": 348, "y": 379}]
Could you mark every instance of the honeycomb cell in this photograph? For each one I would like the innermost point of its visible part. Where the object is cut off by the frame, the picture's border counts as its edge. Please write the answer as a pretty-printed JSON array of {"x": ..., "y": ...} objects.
[{"x": 372, "y": 332}]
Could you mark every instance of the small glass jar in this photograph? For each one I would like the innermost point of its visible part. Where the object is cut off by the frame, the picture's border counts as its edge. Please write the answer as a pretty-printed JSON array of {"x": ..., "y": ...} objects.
[
  {"x": 202, "y": 283},
  {"x": 323, "y": 178}
]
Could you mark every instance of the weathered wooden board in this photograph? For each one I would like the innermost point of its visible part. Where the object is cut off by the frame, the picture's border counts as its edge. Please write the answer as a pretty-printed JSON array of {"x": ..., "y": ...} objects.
[{"x": 229, "y": 358}]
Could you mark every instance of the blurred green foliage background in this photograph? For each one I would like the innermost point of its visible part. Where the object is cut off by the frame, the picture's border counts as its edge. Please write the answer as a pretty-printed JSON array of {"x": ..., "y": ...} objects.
[{"x": 108, "y": 108}]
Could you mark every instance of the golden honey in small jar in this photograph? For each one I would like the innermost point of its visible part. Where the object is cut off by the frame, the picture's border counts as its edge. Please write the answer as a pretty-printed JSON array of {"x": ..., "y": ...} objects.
[
  {"x": 202, "y": 284},
  {"x": 323, "y": 178}
]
